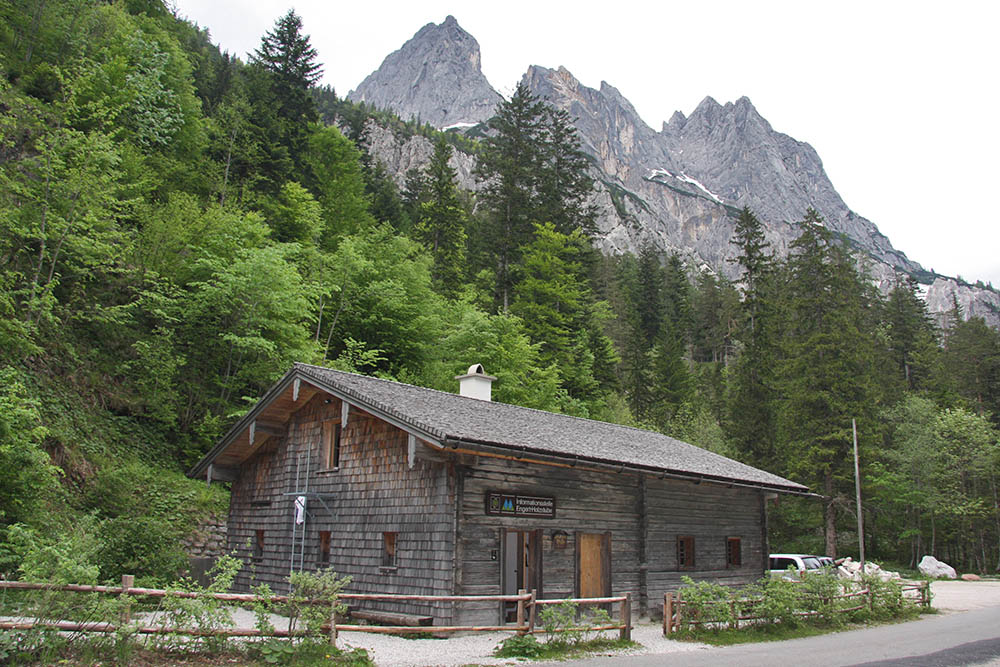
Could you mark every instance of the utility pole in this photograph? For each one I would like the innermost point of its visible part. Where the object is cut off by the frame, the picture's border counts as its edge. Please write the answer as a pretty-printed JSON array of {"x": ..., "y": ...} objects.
[{"x": 857, "y": 491}]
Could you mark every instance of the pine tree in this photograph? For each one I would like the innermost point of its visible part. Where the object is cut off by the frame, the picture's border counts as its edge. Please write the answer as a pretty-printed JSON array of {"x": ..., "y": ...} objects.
[
  {"x": 826, "y": 367},
  {"x": 287, "y": 54},
  {"x": 533, "y": 172},
  {"x": 283, "y": 98},
  {"x": 441, "y": 226},
  {"x": 751, "y": 420},
  {"x": 910, "y": 332}
]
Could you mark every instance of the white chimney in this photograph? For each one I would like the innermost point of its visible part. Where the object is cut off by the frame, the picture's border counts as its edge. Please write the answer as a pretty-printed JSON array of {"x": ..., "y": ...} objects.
[{"x": 476, "y": 383}]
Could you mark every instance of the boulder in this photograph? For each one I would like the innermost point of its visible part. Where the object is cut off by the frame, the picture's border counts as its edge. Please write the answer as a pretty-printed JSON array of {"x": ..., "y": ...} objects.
[
  {"x": 931, "y": 567},
  {"x": 971, "y": 577}
]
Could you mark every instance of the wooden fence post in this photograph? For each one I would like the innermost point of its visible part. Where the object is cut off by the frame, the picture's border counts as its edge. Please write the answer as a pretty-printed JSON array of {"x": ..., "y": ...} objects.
[
  {"x": 333, "y": 623},
  {"x": 532, "y": 612},
  {"x": 626, "y": 618},
  {"x": 520, "y": 611},
  {"x": 925, "y": 594},
  {"x": 128, "y": 580}
]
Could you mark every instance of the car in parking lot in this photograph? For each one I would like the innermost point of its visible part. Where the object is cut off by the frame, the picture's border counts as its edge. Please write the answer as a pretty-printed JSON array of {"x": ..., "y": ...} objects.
[{"x": 802, "y": 563}]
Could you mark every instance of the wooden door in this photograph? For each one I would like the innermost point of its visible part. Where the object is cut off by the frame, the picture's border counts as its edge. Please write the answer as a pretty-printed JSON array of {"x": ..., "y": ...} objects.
[{"x": 593, "y": 565}]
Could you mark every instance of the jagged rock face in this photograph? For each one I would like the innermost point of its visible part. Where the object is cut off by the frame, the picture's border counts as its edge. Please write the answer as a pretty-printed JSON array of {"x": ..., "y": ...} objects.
[
  {"x": 725, "y": 156},
  {"x": 680, "y": 188},
  {"x": 435, "y": 76},
  {"x": 399, "y": 155},
  {"x": 974, "y": 301}
]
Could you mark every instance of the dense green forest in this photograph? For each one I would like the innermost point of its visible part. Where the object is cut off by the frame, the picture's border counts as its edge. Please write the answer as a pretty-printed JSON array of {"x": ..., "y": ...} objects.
[{"x": 177, "y": 227}]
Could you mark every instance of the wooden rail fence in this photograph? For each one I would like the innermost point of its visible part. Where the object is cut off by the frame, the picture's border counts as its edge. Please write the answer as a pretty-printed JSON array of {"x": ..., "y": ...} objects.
[
  {"x": 673, "y": 606},
  {"x": 527, "y": 606}
]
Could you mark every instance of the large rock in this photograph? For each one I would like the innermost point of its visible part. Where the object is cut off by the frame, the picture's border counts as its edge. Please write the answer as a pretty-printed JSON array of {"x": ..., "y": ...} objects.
[
  {"x": 436, "y": 77},
  {"x": 931, "y": 567}
]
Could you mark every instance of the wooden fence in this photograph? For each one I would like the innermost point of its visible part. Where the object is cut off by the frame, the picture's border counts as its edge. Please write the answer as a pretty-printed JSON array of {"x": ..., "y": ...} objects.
[
  {"x": 674, "y": 606},
  {"x": 527, "y": 606}
]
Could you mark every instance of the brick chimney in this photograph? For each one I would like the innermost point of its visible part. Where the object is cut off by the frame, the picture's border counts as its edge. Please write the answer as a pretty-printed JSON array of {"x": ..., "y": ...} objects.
[{"x": 476, "y": 383}]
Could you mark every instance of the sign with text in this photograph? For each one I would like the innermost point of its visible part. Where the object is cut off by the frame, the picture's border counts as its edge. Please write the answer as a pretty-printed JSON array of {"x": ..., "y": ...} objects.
[{"x": 508, "y": 504}]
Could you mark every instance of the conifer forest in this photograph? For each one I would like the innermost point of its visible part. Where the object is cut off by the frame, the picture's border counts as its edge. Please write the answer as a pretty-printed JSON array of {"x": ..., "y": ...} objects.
[{"x": 178, "y": 226}]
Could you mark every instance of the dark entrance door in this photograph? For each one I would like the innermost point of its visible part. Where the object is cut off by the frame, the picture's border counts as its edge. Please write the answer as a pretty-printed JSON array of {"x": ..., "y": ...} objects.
[{"x": 522, "y": 566}]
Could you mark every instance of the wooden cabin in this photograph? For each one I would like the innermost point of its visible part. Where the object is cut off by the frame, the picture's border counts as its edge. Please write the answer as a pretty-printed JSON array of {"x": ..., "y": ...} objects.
[{"x": 417, "y": 491}]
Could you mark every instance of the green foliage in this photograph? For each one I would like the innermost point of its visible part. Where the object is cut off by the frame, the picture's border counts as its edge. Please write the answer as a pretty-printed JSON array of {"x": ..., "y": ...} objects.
[
  {"x": 27, "y": 476},
  {"x": 777, "y": 607},
  {"x": 201, "y": 613},
  {"x": 566, "y": 625},
  {"x": 307, "y": 588},
  {"x": 519, "y": 646},
  {"x": 567, "y": 635}
]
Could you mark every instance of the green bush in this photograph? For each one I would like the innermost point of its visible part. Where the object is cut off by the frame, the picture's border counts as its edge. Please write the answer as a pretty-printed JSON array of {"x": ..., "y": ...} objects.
[
  {"x": 519, "y": 646},
  {"x": 141, "y": 545},
  {"x": 707, "y": 603}
]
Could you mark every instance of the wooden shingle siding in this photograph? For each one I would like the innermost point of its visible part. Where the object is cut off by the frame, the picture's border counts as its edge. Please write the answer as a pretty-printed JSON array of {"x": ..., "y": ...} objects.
[{"x": 373, "y": 491}]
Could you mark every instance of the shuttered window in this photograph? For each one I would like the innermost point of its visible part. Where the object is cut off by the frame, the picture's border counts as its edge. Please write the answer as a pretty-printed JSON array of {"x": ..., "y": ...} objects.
[
  {"x": 331, "y": 444},
  {"x": 685, "y": 552},
  {"x": 258, "y": 546},
  {"x": 734, "y": 552},
  {"x": 389, "y": 550},
  {"x": 324, "y": 548}
]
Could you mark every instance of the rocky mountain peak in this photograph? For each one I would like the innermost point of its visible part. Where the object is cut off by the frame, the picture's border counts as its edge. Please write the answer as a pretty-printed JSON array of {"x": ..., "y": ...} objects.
[
  {"x": 680, "y": 188},
  {"x": 436, "y": 77}
]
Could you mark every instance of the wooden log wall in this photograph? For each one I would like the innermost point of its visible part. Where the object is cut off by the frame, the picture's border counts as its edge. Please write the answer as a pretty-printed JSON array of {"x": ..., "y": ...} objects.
[
  {"x": 710, "y": 513},
  {"x": 374, "y": 490},
  {"x": 588, "y": 502},
  {"x": 643, "y": 515}
]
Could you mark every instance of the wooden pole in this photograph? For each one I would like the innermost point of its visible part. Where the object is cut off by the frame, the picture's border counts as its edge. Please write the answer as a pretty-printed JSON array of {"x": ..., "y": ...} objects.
[
  {"x": 626, "y": 618},
  {"x": 128, "y": 581},
  {"x": 532, "y": 614},
  {"x": 857, "y": 491},
  {"x": 668, "y": 613},
  {"x": 520, "y": 612},
  {"x": 333, "y": 623}
]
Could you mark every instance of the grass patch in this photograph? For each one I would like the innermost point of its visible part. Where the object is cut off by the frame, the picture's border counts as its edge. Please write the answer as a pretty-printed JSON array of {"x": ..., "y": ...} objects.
[
  {"x": 777, "y": 632},
  {"x": 527, "y": 646}
]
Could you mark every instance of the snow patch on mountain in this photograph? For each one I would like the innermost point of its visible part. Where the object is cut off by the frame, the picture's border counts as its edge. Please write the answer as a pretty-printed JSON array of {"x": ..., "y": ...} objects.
[{"x": 684, "y": 178}]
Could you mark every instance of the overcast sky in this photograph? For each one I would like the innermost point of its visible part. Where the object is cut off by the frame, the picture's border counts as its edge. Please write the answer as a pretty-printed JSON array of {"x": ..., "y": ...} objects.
[{"x": 900, "y": 99}]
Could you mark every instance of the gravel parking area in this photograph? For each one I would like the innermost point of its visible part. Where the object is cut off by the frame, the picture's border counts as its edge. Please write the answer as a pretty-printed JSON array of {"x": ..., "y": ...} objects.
[{"x": 953, "y": 596}]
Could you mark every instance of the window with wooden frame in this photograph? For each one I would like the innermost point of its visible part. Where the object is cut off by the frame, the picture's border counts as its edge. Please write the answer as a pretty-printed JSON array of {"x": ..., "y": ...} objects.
[
  {"x": 324, "y": 547},
  {"x": 389, "y": 550},
  {"x": 734, "y": 552},
  {"x": 685, "y": 552},
  {"x": 258, "y": 546},
  {"x": 331, "y": 444}
]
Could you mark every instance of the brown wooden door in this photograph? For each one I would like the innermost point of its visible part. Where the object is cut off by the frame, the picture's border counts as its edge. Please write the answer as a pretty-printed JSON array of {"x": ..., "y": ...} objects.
[{"x": 593, "y": 565}]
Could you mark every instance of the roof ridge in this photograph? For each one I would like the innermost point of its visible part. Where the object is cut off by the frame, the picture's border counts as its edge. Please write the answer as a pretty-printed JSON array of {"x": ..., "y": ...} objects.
[{"x": 507, "y": 405}]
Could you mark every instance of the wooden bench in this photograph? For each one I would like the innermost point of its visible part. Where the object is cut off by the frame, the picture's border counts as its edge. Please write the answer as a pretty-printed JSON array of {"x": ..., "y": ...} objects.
[{"x": 391, "y": 617}]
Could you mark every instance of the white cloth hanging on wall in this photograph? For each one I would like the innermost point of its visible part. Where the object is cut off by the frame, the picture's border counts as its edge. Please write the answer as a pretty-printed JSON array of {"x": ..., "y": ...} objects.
[{"x": 300, "y": 510}]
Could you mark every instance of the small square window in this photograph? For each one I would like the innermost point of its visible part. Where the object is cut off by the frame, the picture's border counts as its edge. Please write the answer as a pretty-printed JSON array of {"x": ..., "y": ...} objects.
[
  {"x": 324, "y": 548},
  {"x": 389, "y": 550},
  {"x": 331, "y": 444},
  {"x": 685, "y": 552},
  {"x": 734, "y": 552},
  {"x": 258, "y": 547}
]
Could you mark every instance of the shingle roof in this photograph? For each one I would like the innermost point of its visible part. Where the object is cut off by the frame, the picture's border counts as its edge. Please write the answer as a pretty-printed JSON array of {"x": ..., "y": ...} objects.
[{"x": 450, "y": 417}]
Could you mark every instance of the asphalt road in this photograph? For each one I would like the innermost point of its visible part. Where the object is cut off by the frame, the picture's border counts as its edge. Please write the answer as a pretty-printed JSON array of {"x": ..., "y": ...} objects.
[{"x": 968, "y": 638}]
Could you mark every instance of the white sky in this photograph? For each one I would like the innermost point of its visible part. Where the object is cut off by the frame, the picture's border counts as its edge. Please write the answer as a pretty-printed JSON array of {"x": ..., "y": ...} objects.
[{"x": 898, "y": 98}]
